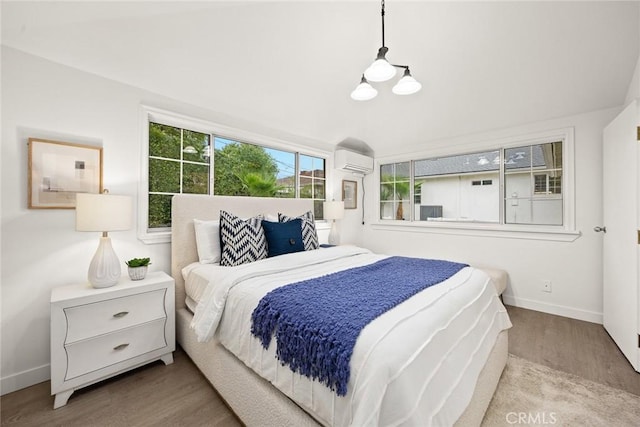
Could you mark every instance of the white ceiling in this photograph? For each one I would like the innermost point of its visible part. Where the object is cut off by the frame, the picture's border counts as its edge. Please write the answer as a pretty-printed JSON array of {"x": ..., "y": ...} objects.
[{"x": 291, "y": 65}]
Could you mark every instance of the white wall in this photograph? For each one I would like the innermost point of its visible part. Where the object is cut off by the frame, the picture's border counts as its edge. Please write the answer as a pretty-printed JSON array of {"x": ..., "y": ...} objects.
[
  {"x": 633, "y": 91},
  {"x": 634, "y": 87},
  {"x": 575, "y": 268},
  {"x": 350, "y": 227},
  {"x": 40, "y": 248}
]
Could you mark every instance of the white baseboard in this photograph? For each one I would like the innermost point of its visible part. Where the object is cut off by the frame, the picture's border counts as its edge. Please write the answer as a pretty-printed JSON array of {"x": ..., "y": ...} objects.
[
  {"x": 559, "y": 310},
  {"x": 24, "y": 379}
]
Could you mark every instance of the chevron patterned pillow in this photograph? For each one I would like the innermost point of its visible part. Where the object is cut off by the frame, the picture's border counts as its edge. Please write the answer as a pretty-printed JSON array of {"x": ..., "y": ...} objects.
[
  {"x": 242, "y": 241},
  {"x": 309, "y": 233}
]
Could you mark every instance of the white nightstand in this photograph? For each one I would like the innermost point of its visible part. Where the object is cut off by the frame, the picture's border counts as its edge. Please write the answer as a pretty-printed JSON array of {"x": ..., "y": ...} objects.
[{"x": 99, "y": 333}]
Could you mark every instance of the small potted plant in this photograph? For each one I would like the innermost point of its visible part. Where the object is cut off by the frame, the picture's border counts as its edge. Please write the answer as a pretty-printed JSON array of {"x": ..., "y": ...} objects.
[{"x": 138, "y": 268}]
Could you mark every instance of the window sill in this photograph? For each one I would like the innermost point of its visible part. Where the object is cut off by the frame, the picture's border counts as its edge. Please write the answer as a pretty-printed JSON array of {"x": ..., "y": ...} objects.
[
  {"x": 155, "y": 238},
  {"x": 486, "y": 230}
]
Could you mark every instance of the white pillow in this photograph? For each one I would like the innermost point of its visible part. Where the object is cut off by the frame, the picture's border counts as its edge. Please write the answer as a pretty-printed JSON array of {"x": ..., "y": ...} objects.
[
  {"x": 271, "y": 218},
  {"x": 208, "y": 241}
]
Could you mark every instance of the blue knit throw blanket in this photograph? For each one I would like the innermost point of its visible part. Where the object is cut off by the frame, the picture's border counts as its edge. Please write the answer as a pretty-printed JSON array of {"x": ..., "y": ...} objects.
[{"x": 317, "y": 321}]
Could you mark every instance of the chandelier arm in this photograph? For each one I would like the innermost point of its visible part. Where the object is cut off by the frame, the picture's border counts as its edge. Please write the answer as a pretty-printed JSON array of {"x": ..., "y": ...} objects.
[
  {"x": 406, "y": 67},
  {"x": 382, "y": 14}
]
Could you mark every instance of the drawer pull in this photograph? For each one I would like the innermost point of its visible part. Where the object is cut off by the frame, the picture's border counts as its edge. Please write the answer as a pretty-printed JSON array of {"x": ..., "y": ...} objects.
[
  {"x": 121, "y": 346},
  {"x": 121, "y": 314}
]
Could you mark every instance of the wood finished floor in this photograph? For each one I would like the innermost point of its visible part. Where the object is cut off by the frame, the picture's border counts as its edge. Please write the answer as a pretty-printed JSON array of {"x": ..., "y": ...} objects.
[
  {"x": 574, "y": 346},
  {"x": 178, "y": 395}
]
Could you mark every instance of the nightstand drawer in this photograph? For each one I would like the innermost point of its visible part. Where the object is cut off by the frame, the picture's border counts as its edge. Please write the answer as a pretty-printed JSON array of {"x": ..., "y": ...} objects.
[
  {"x": 100, "y": 352},
  {"x": 90, "y": 320}
]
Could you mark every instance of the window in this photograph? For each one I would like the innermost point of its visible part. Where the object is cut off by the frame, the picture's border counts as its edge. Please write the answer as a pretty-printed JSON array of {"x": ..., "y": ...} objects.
[
  {"x": 189, "y": 159},
  {"x": 243, "y": 169},
  {"x": 177, "y": 164},
  {"x": 395, "y": 186},
  {"x": 533, "y": 184},
  {"x": 458, "y": 188},
  {"x": 313, "y": 181},
  {"x": 515, "y": 185}
]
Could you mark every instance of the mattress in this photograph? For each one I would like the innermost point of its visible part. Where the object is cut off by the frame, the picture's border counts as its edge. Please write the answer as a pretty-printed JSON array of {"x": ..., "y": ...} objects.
[
  {"x": 196, "y": 279},
  {"x": 416, "y": 364}
]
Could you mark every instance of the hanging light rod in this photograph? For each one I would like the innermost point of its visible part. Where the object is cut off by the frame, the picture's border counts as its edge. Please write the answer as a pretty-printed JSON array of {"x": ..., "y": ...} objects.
[{"x": 381, "y": 71}]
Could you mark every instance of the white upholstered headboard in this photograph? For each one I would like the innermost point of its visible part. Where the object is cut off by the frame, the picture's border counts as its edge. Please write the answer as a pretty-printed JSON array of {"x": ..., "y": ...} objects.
[{"x": 187, "y": 207}]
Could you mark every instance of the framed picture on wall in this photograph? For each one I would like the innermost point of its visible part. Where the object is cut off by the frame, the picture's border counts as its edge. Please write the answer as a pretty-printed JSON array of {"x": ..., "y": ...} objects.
[
  {"x": 350, "y": 194},
  {"x": 59, "y": 170}
]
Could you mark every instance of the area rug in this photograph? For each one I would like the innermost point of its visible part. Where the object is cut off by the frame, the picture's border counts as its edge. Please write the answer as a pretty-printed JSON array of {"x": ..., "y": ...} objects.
[{"x": 530, "y": 394}]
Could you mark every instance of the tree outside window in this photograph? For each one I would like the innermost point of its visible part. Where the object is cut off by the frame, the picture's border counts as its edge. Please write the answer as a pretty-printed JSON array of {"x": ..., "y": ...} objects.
[{"x": 182, "y": 161}]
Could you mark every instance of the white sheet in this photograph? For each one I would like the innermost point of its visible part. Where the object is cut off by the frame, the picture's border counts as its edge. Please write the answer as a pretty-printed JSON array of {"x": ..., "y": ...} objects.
[
  {"x": 415, "y": 365},
  {"x": 196, "y": 279}
]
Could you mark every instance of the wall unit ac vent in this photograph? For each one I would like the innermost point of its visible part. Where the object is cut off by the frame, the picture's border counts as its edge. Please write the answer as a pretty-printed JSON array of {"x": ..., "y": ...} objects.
[{"x": 353, "y": 162}]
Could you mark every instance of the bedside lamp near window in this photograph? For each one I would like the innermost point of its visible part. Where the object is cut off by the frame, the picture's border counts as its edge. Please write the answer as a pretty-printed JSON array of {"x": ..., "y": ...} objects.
[
  {"x": 332, "y": 211},
  {"x": 103, "y": 212}
]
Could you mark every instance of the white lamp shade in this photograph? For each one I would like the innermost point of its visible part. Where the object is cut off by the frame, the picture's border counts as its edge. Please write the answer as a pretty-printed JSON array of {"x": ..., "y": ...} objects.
[
  {"x": 103, "y": 212},
  {"x": 333, "y": 210},
  {"x": 364, "y": 92},
  {"x": 407, "y": 85},
  {"x": 380, "y": 71}
]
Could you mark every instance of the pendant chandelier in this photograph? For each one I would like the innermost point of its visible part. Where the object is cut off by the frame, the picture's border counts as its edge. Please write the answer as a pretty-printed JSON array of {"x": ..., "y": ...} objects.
[{"x": 381, "y": 71}]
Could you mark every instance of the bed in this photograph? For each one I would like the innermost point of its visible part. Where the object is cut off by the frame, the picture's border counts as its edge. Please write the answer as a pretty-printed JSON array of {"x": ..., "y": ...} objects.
[{"x": 253, "y": 398}]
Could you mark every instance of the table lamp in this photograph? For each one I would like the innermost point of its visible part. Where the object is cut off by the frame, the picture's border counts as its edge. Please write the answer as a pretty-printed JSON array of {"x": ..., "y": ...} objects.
[
  {"x": 103, "y": 212},
  {"x": 333, "y": 210}
]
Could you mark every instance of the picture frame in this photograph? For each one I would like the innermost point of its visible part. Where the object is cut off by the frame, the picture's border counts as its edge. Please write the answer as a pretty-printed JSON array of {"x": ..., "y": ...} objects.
[
  {"x": 350, "y": 194},
  {"x": 59, "y": 170}
]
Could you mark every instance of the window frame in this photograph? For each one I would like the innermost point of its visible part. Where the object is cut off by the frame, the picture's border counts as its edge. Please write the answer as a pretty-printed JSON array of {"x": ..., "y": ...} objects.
[
  {"x": 565, "y": 232},
  {"x": 151, "y": 114},
  {"x": 181, "y": 161}
]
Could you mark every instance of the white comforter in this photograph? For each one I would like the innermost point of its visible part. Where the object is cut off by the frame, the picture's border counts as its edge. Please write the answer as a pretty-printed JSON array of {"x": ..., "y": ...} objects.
[{"x": 415, "y": 365}]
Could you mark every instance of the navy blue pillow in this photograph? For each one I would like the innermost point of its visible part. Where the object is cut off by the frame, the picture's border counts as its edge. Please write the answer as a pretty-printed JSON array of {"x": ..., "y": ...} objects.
[{"x": 283, "y": 237}]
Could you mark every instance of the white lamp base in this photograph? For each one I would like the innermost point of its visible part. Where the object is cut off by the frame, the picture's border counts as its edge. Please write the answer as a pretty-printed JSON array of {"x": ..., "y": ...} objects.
[
  {"x": 334, "y": 237},
  {"x": 104, "y": 270}
]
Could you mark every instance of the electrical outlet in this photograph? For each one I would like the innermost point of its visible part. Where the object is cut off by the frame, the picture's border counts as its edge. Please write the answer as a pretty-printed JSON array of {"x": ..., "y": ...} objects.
[{"x": 546, "y": 286}]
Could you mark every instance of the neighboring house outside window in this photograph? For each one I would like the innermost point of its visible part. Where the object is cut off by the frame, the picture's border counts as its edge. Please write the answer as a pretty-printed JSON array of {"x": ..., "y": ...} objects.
[
  {"x": 312, "y": 181},
  {"x": 515, "y": 185},
  {"x": 533, "y": 184},
  {"x": 452, "y": 187}
]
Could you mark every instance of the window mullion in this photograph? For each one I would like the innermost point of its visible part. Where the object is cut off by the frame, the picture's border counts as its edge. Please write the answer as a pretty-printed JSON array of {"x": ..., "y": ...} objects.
[
  {"x": 502, "y": 189},
  {"x": 411, "y": 192},
  {"x": 212, "y": 160},
  {"x": 296, "y": 179},
  {"x": 181, "y": 157}
]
